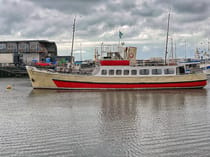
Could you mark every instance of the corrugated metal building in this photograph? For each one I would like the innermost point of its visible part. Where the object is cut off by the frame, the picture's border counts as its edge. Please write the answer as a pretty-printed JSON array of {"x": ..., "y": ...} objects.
[{"x": 26, "y": 52}]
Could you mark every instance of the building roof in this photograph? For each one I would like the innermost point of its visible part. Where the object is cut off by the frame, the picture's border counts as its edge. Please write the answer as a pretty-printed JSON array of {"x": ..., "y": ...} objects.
[{"x": 15, "y": 41}]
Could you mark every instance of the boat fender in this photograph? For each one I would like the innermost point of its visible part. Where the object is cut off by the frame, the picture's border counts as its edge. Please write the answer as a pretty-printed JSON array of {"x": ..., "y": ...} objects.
[{"x": 9, "y": 87}]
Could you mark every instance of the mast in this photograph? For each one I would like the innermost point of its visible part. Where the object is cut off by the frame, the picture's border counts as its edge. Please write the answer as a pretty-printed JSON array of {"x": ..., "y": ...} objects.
[
  {"x": 172, "y": 49},
  {"x": 166, "y": 51},
  {"x": 175, "y": 50},
  {"x": 185, "y": 49},
  {"x": 80, "y": 52},
  {"x": 72, "y": 44}
]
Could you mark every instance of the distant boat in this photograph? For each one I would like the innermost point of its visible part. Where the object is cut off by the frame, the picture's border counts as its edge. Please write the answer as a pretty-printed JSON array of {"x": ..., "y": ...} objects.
[
  {"x": 191, "y": 65},
  {"x": 206, "y": 68}
]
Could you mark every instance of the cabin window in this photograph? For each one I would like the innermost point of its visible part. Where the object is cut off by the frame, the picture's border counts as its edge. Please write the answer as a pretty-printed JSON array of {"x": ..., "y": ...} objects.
[
  {"x": 118, "y": 72},
  {"x": 156, "y": 71},
  {"x": 3, "y": 46},
  {"x": 144, "y": 71},
  {"x": 169, "y": 71},
  {"x": 103, "y": 72},
  {"x": 126, "y": 72},
  {"x": 181, "y": 70},
  {"x": 111, "y": 72},
  {"x": 133, "y": 72}
]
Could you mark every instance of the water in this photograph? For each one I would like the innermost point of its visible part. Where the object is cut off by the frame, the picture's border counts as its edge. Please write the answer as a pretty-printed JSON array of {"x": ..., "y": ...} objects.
[{"x": 103, "y": 123}]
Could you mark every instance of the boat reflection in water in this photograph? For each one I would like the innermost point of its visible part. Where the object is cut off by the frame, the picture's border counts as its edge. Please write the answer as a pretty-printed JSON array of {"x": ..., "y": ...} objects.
[
  {"x": 121, "y": 103},
  {"x": 150, "y": 123},
  {"x": 127, "y": 102},
  {"x": 131, "y": 123}
]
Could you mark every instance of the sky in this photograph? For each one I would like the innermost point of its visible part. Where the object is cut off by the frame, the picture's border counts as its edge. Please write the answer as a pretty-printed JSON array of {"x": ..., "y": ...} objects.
[{"x": 142, "y": 22}]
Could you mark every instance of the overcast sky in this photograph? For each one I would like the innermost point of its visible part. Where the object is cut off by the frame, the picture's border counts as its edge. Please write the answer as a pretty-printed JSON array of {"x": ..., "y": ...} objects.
[{"x": 142, "y": 22}]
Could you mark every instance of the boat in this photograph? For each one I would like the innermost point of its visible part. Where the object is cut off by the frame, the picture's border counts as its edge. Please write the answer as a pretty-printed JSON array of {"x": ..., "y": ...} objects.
[
  {"x": 191, "y": 65},
  {"x": 118, "y": 73},
  {"x": 204, "y": 60},
  {"x": 118, "y": 77},
  {"x": 205, "y": 68}
]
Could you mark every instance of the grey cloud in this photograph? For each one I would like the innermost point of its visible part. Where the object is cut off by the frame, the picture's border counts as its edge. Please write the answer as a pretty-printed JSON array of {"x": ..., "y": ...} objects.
[
  {"x": 191, "y": 7},
  {"x": 53, "y": 19},
  {"x": 82, "y": 7},
  {"x": 185, "y": 6},
  {"x": 147, "y": 10},
  {"x": 13, "y": 13}
]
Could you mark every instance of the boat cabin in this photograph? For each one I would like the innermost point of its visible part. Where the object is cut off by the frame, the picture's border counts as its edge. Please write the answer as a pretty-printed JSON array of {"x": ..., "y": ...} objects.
[{"x": 125, "y": 71}]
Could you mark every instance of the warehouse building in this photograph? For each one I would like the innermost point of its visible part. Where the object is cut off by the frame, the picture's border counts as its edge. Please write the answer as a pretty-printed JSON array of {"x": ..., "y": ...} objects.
[{"x": 26, "y": 52}]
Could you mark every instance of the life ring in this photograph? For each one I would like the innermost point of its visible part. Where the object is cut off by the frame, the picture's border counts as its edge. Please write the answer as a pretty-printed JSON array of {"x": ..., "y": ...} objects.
[{"x": 131, "y": 55}]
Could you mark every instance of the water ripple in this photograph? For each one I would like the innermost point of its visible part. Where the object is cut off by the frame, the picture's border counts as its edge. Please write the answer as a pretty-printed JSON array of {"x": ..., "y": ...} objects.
[{"x": 103, "y": 123}]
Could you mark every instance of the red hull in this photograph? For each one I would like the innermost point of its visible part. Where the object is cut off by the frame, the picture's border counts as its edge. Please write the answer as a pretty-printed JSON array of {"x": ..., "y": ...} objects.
[{"x": 162, "y": 85}]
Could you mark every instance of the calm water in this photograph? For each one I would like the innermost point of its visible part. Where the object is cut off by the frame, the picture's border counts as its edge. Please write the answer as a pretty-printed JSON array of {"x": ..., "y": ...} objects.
[{"x": 103, "y": 123}]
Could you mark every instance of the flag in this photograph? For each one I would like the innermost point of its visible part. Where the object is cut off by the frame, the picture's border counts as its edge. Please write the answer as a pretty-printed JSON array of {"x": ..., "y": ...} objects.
[{"x": 120, "y": 34}]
